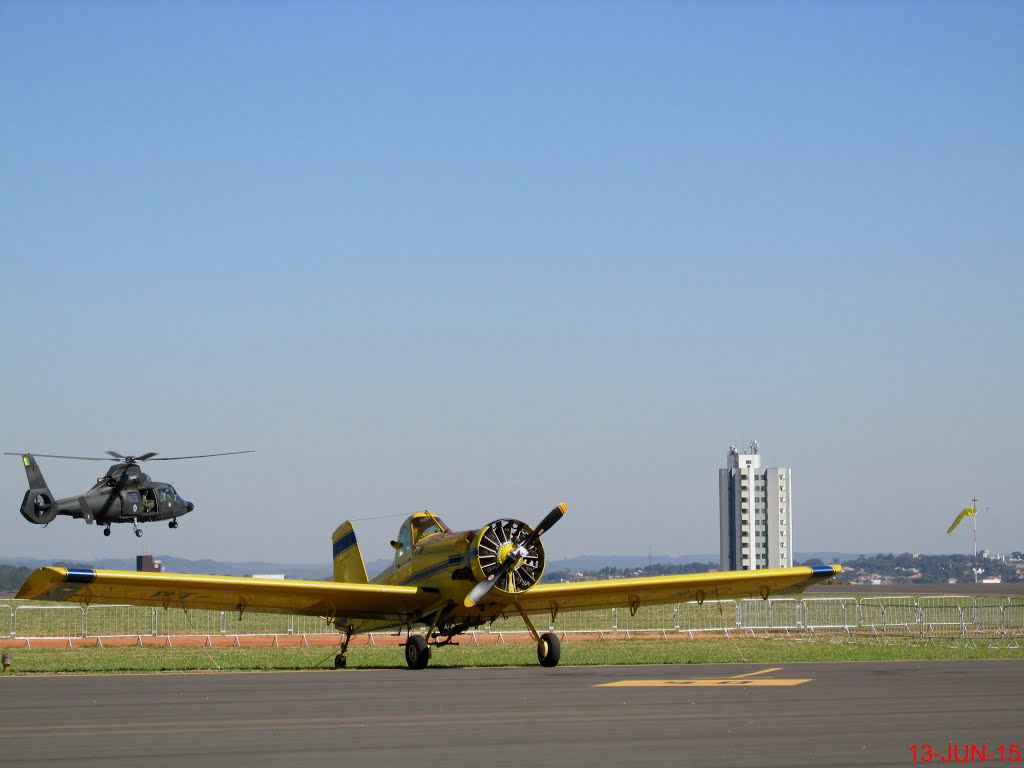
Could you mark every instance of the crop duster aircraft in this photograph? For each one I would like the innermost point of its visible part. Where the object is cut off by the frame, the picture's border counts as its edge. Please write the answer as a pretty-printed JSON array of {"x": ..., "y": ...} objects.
[{"x": 449, "y": 581}]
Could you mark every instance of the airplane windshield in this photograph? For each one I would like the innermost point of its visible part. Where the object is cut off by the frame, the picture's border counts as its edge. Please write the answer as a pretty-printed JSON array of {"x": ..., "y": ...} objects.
[
  {"x": 404, "y": 539},
  {"x": 426, "y": 525},
  {"x": 417, "y": 528}
]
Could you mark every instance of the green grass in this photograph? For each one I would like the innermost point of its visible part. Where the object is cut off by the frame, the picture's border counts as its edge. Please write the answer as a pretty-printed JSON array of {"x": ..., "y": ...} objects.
[{"x": 706, "y": 651}]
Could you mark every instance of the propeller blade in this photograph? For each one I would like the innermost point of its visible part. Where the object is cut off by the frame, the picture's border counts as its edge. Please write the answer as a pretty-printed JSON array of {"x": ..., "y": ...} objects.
[
  {"x": 512, "y": 561},
  {"x": 552, "y": 517},
  {"x": 147, "y": 456}
]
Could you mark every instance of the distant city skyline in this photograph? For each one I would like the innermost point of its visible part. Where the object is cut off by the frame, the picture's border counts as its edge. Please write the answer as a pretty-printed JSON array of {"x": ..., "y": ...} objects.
[{"x": 484, "y": 259}]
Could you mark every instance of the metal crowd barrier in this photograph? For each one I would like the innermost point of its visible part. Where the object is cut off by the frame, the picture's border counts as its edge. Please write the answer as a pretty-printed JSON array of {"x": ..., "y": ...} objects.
[{"x": 954, "y": 619}]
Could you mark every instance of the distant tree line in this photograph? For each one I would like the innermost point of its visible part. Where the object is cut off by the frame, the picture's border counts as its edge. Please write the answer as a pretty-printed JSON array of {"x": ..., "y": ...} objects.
[
  {"x": 12, "y": 577},
  {"x": 900, "y": 569},
  {"x": 934, "y": 569},
  {"x": 656, "y": 569}
]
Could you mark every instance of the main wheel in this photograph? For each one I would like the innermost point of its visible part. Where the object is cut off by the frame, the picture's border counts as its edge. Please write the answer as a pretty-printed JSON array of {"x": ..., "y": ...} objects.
[
  {"x": 417, "y": 652},
  {"x": 138, "y": 532},
  {"x": 549, "y": 650},
  {"x": 172, "y": 524},
  {"x": 106, "y": 531},
  {"x": 340, "y": 661}
]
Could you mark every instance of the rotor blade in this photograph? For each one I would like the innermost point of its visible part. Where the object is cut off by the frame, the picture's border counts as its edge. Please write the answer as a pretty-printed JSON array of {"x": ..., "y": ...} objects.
[
  {"x": 483, "y": 587},
  {"x": 55, "y": 456},
  {"x": 115, "y": 454},
  {"x": 114, "y": 493},
  {"x": 198, "y": 456},
  {"x": 145, "y": 456}
]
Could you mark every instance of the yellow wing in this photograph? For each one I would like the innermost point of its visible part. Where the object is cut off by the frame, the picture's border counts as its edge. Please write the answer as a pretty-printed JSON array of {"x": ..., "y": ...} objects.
[
  {"x": 230, "y": 593},
  {"x": 655, "y": 590}
]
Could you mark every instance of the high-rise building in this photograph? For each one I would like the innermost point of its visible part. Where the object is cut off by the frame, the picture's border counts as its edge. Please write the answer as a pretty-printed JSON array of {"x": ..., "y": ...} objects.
[{"x": 755, "y": 513}]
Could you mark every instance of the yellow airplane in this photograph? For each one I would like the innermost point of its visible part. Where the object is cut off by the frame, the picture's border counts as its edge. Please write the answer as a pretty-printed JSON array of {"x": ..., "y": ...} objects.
[{"x": 450, "y": 581}]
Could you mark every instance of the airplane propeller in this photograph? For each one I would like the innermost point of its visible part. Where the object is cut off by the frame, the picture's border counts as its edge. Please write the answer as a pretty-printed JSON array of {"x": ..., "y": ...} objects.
[{"x": 514, "y": 557}]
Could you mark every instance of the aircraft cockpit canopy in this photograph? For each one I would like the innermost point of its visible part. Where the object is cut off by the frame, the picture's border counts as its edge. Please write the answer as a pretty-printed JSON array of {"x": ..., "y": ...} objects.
[{"x": 418, "y": 527}]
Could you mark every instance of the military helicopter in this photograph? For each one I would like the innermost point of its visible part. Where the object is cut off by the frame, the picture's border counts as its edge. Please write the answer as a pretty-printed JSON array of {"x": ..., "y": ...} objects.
[{"x": 125, "y": 494}]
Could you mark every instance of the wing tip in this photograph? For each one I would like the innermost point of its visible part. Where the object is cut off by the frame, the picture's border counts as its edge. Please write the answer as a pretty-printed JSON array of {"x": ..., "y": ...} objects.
[
  {"x": 41, "y": 581},
  {"x": 826, "y": 571}
]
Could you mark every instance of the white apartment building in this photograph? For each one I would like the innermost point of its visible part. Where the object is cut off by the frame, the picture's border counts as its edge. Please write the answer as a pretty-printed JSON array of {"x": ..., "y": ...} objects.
[{"x": 755, "y": 513}]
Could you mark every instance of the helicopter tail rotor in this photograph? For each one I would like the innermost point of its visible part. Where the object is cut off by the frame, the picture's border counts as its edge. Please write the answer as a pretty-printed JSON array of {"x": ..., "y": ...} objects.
[{"x": 37, "y": 506}]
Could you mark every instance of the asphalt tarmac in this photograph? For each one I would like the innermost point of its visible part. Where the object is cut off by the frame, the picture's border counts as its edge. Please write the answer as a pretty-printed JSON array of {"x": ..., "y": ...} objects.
[{"x": 870, "y": 714}]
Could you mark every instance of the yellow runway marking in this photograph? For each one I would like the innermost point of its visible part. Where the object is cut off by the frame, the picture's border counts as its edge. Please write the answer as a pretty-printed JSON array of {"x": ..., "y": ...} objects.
[{"x": 747, "y": 679}]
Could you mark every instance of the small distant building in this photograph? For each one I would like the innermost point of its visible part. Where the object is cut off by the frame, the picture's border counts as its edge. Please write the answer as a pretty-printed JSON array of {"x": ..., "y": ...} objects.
[
  {"x": 147, "y": 564},
  {"x": 755, "y": 513}
]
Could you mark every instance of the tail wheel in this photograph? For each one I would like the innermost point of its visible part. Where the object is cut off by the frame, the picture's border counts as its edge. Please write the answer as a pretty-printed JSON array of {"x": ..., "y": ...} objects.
[
  {"x": 417, "y": 652},
  {"x": 549, "y": 650}
]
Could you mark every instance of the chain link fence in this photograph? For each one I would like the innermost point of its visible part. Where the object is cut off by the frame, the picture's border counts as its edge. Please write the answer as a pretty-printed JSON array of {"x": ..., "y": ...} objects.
[{"x": 953, "y": 619}]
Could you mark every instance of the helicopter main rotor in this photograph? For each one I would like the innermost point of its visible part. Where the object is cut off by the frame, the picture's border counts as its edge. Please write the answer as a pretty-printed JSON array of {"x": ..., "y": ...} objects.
[{"x": 130, "y": 460}]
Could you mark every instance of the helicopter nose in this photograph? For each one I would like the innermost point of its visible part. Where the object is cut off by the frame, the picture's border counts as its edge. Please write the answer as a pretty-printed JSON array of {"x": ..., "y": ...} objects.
[{"x": 191, "y": 506}]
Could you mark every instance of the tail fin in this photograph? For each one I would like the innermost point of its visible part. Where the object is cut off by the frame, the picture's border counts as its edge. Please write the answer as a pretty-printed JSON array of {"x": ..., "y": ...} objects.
[
  {"x": 348, "y": 560},
  {"x": 36, "y": 481},
  {"x": 37, "y": 506}
]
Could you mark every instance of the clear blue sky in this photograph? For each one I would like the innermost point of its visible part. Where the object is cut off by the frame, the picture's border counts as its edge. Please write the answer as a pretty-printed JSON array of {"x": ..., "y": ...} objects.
[{"x": 484, "y": 258}]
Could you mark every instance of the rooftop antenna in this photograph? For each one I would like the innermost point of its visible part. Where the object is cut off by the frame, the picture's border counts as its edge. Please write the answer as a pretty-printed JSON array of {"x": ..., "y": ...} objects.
[{"x": 753, "y": 447}]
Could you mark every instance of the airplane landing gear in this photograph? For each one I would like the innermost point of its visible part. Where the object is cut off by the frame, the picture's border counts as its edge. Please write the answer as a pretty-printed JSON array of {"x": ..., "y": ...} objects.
[
  {"x": 173, "y": 524},
  {"x": 106, "y": 531},
  {"x": 417, "y": 652},
  {"x": 341, "y": 659},
  {"x": 138, "y": 531},
  {"x": 549, "y": 650}
]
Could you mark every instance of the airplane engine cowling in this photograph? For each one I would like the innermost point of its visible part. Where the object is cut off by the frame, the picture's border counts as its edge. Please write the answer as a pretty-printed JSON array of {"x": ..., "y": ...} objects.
[{"x": 497, "y": 541}]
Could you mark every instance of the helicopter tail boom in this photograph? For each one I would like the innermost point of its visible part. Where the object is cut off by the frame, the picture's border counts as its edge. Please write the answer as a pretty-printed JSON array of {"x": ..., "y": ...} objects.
[{"x": 38, "y": 505}]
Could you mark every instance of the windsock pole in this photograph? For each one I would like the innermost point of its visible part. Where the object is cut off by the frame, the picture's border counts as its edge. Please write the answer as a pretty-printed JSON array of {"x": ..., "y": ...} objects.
[{"x": 974, "y": 501}]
